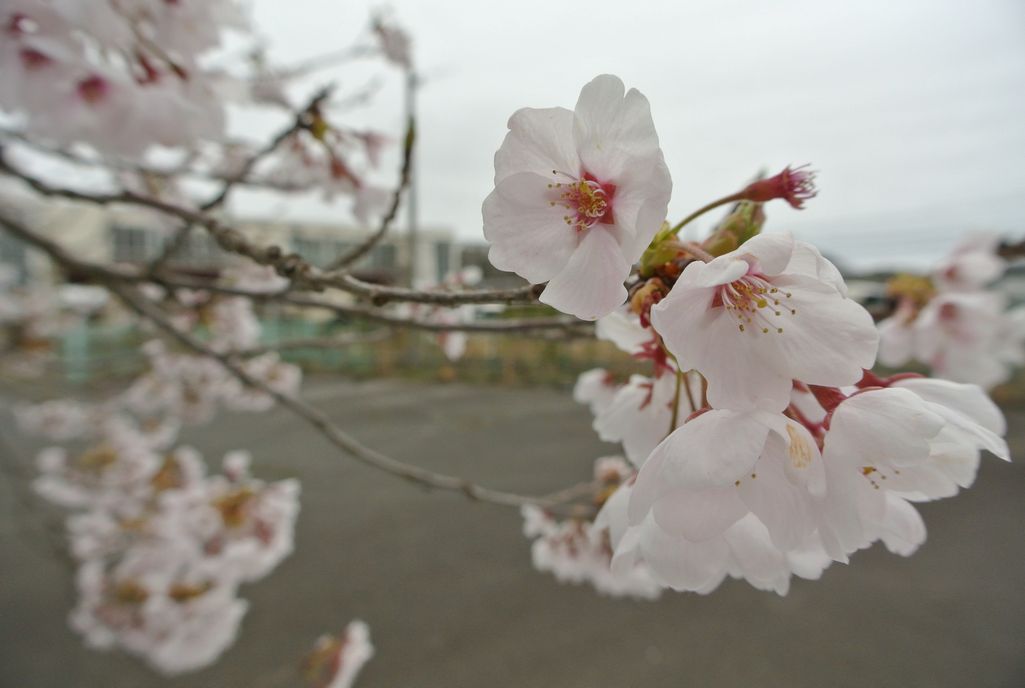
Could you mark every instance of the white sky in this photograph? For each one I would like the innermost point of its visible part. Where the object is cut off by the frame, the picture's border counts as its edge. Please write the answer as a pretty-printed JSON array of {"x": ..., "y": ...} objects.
[{"x": 913, "y": 111}]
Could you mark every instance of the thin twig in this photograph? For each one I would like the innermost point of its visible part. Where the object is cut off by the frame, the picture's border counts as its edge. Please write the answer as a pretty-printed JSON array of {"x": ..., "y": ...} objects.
[
  {"x": 102, "y": 274},
  {"x": 355, "y": 254},
  {"x": 300, "y": 121},
  {"x": 136, "y": 302},
  {"x": 291, "y": 265}
]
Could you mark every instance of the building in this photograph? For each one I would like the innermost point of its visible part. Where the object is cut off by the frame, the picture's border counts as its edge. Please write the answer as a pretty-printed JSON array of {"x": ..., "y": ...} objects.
[{"x": 130, "y": 235}]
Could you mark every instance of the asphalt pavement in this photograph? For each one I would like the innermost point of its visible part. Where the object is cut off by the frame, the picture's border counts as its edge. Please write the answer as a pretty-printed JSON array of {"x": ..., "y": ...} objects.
[{"x": 452, "y": 600}]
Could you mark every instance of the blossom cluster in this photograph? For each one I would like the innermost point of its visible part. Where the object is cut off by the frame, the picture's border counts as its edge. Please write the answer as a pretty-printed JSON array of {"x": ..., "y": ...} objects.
[
  {"x": 119, "y": 76},
  {"x": 764, "y": 447},
  {"x": 953, "y": 321},
  {"x": 577, "y": 550},
  {"x": 162, "y": 547}
]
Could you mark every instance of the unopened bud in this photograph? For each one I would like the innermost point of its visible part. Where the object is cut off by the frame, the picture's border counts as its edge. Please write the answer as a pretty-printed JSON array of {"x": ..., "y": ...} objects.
[
  {"x": 744, "y": 222},
  {"x": 663, "y": 249},
  {"x": 795, "y": 186}
]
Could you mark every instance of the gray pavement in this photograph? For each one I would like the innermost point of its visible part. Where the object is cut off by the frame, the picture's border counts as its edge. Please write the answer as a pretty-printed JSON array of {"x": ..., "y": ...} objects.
[{"x": 452, "y": 600}]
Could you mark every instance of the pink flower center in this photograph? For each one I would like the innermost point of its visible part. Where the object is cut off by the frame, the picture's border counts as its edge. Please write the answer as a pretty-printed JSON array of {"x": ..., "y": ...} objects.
[
  {"x": 754, "y": 303},
  {"x": 33, "y": 59},
  {"x": 93, "y": 89},
  {"x": 588, "y": 200}
]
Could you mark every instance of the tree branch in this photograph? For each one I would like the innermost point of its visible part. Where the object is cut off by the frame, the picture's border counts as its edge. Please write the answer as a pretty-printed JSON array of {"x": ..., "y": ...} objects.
[
  {"x": 292, "y": 266},
  {"x": 382, "y": 229},
  {"x": 335, "y": 435}
]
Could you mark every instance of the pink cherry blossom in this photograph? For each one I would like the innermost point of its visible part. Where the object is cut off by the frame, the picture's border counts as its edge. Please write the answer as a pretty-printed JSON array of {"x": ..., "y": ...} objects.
[{"x": 578, "y": 196}]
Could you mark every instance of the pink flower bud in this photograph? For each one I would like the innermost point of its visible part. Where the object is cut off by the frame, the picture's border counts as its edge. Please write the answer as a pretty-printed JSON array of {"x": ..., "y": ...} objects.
[{"x": 793, "y": 185}]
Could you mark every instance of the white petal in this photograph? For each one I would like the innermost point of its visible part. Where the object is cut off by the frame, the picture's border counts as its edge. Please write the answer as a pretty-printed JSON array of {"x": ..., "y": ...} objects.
[
  {"x": 830, "y": 340},
  {"x": 806, "y": 260},
  {"x": 777, "y": 503},
  {"x": 698, "y": 514},
  {"x": 903, "y": 530},
  {"x": 768, "y": 254},
  {"x": 889, "y": 426},
  {"x": 539, "y": 141},
  {"x": 966, "y": 399},
  {"x": 712, "y": 450},
  {"x": 896, "y": 341},
  {"x": 681, "y": 564},
  {"x": 527, "y": 236},
  {"x": 591, "y": 283},
  {"x": 761, "y": 563},
  {"x": 623, "y": 328},
  {"x": 610, "y": 128}
]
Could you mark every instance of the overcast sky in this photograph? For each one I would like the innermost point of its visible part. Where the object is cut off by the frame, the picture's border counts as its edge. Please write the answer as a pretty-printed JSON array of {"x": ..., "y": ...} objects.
[{"x": 913, "y": 111}]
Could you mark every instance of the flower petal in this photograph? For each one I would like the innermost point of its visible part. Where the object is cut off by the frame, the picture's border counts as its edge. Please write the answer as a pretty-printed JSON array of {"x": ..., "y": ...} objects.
[
  {"x": 769, "y": 253},
  {"x": 591, "y": 283},
  {"x": 610, "y": 128},
  {"x": 527, "y": 235},
  {"x": 540, "y": 140}
]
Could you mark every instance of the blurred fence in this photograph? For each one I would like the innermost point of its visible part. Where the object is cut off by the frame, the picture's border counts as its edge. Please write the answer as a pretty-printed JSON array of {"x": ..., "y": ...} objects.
[
  {"x": 96, "y": 352},
  {"x": 100, "y": 353}
]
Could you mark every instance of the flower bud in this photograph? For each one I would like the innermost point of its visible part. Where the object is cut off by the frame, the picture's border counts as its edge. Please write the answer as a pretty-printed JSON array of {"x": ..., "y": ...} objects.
[
  {"x": 664, "y": 248},
  {"x": 743, "y": 222},
  {"x": 795, "y": 186}
]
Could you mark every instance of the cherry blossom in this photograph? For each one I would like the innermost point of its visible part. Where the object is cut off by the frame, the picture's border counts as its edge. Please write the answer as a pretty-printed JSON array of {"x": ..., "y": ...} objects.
[
  {"x": 724, "y": 464},
  {"x": 596, "y": 388},
  {"x": 578, "y": 196},
  {"x": 58, "y": 419},
  {"x": 119, "y": 76},
  {"x": 336, "y": 660},
  {"x": 956, "y": 335},
  {"x": 972, "y": 264},
  {"x": 158, "y": 603},
  {"x": 885, "y": 444},
  {"x": 639, "y": 415},
  {"x": 755, "y": 319},
  {"x": 578, "y": 551}
]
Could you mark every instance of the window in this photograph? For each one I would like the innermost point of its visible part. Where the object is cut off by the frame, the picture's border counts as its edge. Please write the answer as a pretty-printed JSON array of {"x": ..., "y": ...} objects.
[
  {"x": 443, "y": 259},
  {"x": 12, "y": 254},
  {"x": 134, "y": 245}
]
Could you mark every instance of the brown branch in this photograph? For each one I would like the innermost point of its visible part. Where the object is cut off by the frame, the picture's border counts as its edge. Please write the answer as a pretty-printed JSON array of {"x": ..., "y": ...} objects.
[
  {"x": 302, "y": 120},
  {"x": 565, "y": 327},
  {"x": 1011, "y": 249},
  {"x": 335, "y": 435},
  {"x": 561, "y": 324},
  {"x": 120, "y": 285},
  {"x": 380, "y": 294},
  {"x": 291, "y": 265}
]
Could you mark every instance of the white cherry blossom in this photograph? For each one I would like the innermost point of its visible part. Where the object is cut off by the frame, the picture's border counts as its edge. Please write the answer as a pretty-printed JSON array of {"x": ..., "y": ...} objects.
[
  {"x": 578, "y": 196},
  {"x": 639, "y": 415},
  {"x": 596, "y": 388},
  {"x": 336, "y": 660},
  {"x": 973, "y": 264},
  {"x": 755, "y": 319}
]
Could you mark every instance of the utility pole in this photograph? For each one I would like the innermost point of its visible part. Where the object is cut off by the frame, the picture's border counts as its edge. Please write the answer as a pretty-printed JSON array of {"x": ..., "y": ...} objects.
[{"x": 412, "y": 245}]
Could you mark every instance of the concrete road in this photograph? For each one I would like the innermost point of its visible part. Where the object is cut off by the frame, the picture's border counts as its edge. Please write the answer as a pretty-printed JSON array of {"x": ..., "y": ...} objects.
[{"x": 452, "y": 600}]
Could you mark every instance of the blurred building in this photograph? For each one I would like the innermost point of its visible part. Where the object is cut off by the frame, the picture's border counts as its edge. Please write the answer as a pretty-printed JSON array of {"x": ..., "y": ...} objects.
[{"x": 134, "y": 236}]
